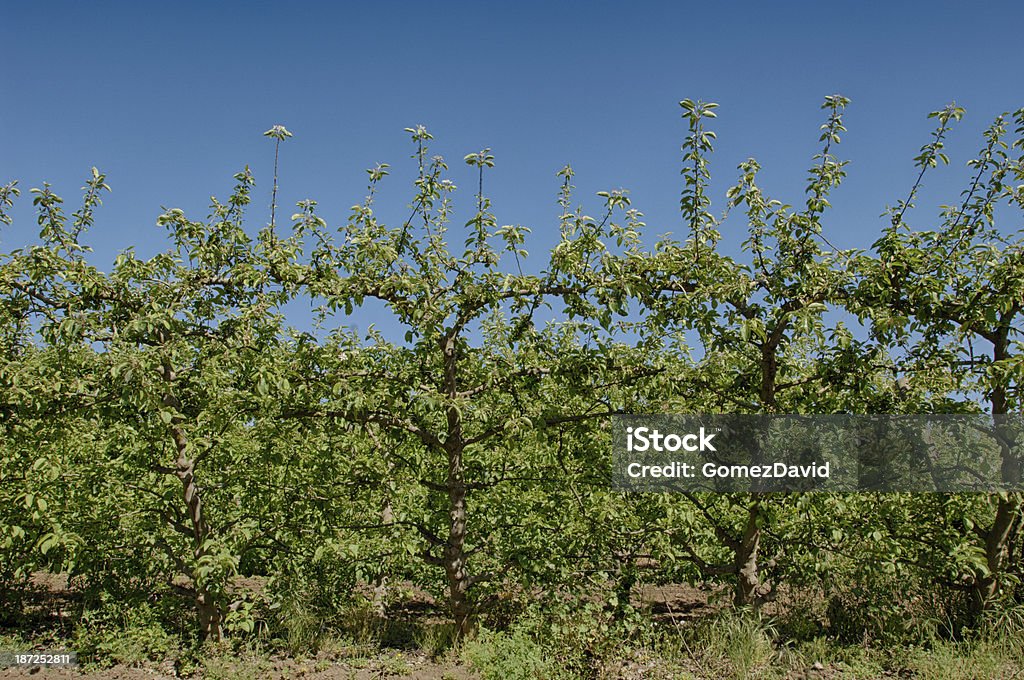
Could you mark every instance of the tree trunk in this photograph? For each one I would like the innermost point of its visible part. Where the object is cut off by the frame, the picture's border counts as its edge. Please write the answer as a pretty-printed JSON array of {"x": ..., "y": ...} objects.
[
  {"x": 380, "y": 584},
  {"x": 454, "y": 558},
  {"x": 748, "y": 580},
  {"x": 1002, "y": 535},
  {"x": 455, "y": 553},
  {"x": 998, "y": 541},
  {"x": 210, "y": 617},
  {"x": 208, "y": 609}
]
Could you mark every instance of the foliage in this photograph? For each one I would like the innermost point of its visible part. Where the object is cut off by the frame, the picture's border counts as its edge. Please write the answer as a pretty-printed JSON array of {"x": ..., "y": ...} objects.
[
  {"x": 508, "y": 655},
  {"x": 166, "y": 438}
]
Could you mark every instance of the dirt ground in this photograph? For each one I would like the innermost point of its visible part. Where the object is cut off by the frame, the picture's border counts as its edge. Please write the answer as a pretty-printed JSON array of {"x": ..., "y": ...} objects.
[{"x": 407, "y": 665}]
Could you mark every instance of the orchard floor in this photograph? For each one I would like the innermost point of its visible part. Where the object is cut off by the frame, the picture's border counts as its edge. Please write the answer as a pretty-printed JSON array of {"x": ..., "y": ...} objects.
[
  {"x": 406, "y": 665},
  {"x": 728, "y": 647}
]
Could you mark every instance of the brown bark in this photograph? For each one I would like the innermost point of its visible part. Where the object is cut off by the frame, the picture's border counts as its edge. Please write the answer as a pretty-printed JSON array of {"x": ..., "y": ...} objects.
[
  {"x": 380, "y": 585},
  {"x": 454, "y": 558},
  {"x": 748, "y": 579},
  {"x": 749, "y": 589},
  {"x": 1006, "y": 527},
  {"x": 209, "y": 611},
  {"x": 999, "y": 539}
]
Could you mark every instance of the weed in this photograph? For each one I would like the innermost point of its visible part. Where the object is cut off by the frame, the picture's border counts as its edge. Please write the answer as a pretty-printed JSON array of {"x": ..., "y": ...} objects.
[
  {"x": 741, "y": 639},
  {"x": 511, "y": 655},
  {"x": 130, "y": 636}
]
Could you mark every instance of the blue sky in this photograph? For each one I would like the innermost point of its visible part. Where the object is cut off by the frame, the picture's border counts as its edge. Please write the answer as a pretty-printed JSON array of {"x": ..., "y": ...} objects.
[{"x": 170, "y": 99}]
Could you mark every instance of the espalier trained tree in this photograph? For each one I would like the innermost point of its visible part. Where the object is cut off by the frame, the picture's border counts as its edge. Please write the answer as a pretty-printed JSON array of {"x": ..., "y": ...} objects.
[
  {"x": 479, "y": 370},
  {"x": 766, "y": 347},
  {"x": 170, "y": 355},
  {"x": 952, "y": 299}
]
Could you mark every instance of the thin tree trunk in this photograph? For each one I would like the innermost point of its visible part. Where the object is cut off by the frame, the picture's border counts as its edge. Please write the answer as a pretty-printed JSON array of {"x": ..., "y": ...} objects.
[
  {"x": 380, "y": 585},
  {"x": 454, "y": 558},
  {"x": 998, "y": 542},
  {"x": 208, "y": 609},
  {"x": 1006, "y": 527},
  {"x": 748, "y": 580},
  {"x": 747, "y": 552}
]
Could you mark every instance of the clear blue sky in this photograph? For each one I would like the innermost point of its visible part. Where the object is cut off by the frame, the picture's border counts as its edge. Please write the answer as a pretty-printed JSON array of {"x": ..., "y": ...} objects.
[{"x": 170, "y": 99}]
